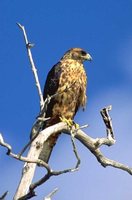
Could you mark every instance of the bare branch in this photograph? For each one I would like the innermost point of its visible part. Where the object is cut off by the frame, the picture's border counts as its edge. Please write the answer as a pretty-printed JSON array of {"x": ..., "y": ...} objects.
[
  {"x": 104, "y": 161},
  {"x": 29, "y": 195},
  {"x": 49, "y": 196},
  {"x": 34, "y": 70},
  {"x": 107, "y": 120},
  {"x": 90, "y": 143},
  {"x": 2, "y": 143},
  {"x": 21, "y": 158},
  {"x": 4, "y": 195},
  {"x": 37, "y": 127},
  {"x": 75, "y": 149}
]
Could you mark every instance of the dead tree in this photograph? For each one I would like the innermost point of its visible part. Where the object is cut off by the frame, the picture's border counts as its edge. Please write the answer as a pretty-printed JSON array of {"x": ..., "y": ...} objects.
[{"x": 26, "y": 189}]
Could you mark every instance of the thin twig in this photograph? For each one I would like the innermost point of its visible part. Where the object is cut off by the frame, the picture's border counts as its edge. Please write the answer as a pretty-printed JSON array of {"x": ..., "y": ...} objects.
[
  {"x": 4, "y": 195},
  {"x": 22, "y": 158},
  {"x": 47, "y": 176},
  {"x": 2, "y": 143},
  {"x": 49, "y": 196},
  {"x": 75, "y": 150},
  {"x": 28, "y": 47}
]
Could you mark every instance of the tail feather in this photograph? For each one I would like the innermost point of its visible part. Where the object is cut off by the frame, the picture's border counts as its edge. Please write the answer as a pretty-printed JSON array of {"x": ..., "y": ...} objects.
[
  {"x": 48, "y": 147},
  {"x": 51, "y": 141}
]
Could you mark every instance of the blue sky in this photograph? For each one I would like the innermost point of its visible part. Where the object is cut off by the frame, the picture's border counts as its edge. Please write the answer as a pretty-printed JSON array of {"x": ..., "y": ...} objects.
[{"x": 104, "y": 29}]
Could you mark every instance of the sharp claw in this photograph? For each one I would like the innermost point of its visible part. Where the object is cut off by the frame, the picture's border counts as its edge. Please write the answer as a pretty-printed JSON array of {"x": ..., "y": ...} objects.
[{"x": 69, "y": 122}]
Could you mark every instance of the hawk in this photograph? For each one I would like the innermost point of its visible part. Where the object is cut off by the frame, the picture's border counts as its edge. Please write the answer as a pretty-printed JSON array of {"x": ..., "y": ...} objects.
[{"x": 67, "y": 81}]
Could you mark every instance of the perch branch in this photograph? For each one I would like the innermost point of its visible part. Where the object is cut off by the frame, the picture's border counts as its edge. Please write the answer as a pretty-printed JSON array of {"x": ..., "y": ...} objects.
[{"x": 90, "y": 143}]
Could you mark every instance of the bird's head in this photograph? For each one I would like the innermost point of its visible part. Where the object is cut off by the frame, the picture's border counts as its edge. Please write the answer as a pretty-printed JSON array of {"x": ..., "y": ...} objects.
[{"x": 77, "y": 54}]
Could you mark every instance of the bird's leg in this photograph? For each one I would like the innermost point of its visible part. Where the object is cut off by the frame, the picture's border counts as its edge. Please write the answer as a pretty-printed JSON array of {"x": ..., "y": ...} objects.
[{"x": 71, "y": 124}]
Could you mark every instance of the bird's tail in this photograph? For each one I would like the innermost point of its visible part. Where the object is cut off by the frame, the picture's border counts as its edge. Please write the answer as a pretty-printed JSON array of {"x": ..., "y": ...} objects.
[
  {"x": 51, "y": 141},
  {"x": 48, "y": 147}
]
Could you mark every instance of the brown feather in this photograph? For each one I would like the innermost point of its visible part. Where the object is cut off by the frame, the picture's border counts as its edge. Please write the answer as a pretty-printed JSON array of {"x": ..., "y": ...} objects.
[{"x": 68, "y": 80}]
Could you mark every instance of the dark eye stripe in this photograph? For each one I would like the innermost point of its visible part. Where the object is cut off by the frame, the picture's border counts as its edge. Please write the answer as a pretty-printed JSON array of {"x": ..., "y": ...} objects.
[{"x": 83, "y": 53}]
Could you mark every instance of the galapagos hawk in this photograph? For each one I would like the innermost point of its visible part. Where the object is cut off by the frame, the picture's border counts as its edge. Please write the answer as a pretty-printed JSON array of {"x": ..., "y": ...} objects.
[{"x": 67, "y": 82}]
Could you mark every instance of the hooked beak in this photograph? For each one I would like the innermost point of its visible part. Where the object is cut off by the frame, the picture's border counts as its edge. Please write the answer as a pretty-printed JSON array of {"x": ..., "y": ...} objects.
[{"x": 88, "y": 57}]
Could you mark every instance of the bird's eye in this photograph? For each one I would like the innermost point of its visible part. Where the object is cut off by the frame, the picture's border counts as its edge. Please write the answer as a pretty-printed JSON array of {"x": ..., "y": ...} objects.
[{"x": 83, "y": 53}]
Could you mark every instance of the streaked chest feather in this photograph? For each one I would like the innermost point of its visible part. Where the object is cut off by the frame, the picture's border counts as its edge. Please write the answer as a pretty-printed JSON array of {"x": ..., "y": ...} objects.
[
  {"x": 73, "y": 73},
  {"x": 72, "y": 85}
]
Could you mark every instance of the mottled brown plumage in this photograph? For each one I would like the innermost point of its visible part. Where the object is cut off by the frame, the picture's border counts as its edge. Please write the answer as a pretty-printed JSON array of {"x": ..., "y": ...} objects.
[{"x": 68, "y": 80}]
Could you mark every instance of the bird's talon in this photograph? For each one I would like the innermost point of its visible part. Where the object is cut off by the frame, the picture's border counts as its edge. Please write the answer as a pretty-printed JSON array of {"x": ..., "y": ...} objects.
[
  {"x": 76, "y": 126},
  {"x": 69, "y": 122}
]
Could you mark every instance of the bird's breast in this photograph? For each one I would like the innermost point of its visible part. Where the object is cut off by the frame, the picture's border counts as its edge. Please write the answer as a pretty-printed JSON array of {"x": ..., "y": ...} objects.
[{"x": 71, "y": 93}]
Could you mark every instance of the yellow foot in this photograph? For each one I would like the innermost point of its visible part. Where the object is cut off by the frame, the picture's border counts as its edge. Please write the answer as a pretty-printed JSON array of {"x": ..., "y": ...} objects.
[
  {"x": 76, "y": 125},
  {"x": 69, "y": 122}
]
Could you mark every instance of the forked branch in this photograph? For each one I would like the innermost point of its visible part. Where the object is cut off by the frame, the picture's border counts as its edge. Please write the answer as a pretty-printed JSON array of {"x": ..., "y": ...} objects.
[{"x": 92, "y": 144}]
